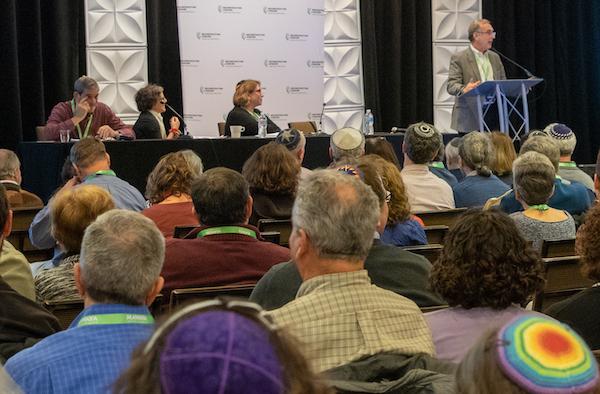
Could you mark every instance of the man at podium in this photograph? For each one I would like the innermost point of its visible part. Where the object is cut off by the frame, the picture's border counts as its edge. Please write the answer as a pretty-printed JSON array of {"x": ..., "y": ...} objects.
[{"x": 468, "y": 69}]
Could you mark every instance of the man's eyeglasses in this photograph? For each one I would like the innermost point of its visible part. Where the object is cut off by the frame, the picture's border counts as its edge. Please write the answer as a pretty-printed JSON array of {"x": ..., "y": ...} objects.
[{"x": 489, "y": 32}]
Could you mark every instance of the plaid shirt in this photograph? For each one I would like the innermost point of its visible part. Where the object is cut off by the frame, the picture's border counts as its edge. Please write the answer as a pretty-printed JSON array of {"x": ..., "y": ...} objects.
[{"x": 342, "y": 317}]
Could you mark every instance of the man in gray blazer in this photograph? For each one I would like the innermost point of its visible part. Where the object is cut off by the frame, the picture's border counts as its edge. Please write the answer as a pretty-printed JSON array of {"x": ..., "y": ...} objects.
[{"x": 468, "y": 69}]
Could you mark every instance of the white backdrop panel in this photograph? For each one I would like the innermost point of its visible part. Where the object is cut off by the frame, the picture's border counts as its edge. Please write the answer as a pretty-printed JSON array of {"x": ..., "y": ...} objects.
[{"x": 279, "y": 43}]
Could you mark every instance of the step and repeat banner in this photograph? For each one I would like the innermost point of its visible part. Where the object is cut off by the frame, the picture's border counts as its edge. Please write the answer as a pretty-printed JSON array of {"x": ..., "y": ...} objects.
[{"x": 279, "y": 43}]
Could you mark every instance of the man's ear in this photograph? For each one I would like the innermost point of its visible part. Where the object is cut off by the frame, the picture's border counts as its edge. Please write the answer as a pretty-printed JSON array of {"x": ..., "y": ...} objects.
[
  {"x": 596, "y": 184},
  {"x": 302, "y": 243},
  {"x": 156, "y": 288},
  {"x": 78, "y": 281},
  {"x": 107, "y": 158},
  {"x": 248, "y": 210},
  {"x": 330, "y": 153},
  {"x": 77, "y": 172},
  {"x": 7, "y": 225}
]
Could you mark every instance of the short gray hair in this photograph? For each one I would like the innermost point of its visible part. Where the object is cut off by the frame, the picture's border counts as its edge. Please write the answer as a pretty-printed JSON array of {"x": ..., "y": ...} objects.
[
  {"x": 348, "y": 134},
  {"x": 338, "y": 212},
  {"x": 421, "y": 142},
  {"x": 9, "y": 164},
  {"x": 545, "y": 145},
  {"x": 475, "y": 26},
  {"x": 84, "y": 83},
  {"x": 567, "y": 143},
  {"x": 452, "y": 155},
  {"x": 475, "y": 152},
  {"x": 533, "y": 178},
  {"x": 194, "y": 161},
  {"x": 122, "y": 255}
]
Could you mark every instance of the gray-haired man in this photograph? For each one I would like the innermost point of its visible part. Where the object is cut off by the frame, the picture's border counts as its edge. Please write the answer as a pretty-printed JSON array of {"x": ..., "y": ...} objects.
[
  {"x": 337, "y": 306},
  {"x": 118, "y": 274}
]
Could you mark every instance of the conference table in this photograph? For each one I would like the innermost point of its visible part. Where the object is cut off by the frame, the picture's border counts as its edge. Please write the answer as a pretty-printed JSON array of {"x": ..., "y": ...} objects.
[{"x": 132, "y": 161}]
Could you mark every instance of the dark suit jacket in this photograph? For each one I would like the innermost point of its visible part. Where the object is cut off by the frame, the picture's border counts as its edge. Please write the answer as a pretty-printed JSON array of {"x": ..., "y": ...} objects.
[
  {"x": 238, "y": 116},
  {"x": 146, "y": 127},
  {"x": 463, "y": 69}
]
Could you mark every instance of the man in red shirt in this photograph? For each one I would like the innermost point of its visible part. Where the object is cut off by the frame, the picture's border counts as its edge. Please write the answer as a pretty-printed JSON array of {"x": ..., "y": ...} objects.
[{"x": 84, "y": 116}]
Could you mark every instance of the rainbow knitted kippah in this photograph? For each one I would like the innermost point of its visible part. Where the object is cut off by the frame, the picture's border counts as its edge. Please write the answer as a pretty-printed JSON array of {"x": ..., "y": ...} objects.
[{"x": 541, "y": 355}]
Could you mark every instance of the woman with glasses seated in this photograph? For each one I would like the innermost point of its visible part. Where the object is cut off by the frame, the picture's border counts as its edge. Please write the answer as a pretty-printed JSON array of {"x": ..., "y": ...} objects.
[
  {"x": 219, "y": 346},
  {"x": 248, "y": 95},
  {"x": 152, "y": 103}
]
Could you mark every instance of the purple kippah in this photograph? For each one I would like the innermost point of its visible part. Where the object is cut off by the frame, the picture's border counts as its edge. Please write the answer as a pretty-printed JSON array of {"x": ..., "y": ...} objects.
[
  {"x": 220, "y": 352},
  {"x": 559, "y": 131}
]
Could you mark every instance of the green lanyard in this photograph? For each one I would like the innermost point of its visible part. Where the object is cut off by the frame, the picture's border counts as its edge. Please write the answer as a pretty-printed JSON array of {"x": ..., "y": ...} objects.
[
  {"x": 87, "y": 126},
  {"x": 437, "y": 164},
  {"x": 226, "y": 230},
  {"x": 115, "y": 318},
  {"x": 540, "y": 207},
  {"x": 567, "y": 164},
  {"x": 101, "y": 172}
]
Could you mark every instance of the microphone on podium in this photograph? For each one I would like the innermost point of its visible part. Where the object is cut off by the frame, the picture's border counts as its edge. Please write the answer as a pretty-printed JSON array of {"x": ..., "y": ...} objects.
[{"x": 527, "y": 72}]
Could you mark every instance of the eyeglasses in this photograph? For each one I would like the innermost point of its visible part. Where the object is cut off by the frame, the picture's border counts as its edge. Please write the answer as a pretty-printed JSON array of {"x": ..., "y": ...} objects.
[
  {"x": 388, "y": 196},
  {"x": 247, "y": 307},
  {"x": 489, "y": 32},
  {"x": 258, "y": 91}
]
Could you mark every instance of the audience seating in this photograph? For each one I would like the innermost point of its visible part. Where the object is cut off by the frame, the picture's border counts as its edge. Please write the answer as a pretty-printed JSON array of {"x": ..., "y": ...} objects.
[
  {"x": 283, "y": 227},
  {"x": 179, "y": 296},
  {"x": 308, "y": 127},
  {"x": 597, "y": 355},
  {"x": 433, "y": 308},
  {"x": 561, "y": 248},
  {"x": 19, "y": 236},
  {"x": 563, "y": 279},
  {"x": 431, "y": 252},
  {"x": 221, "y": 127},
  {"x": 65, "y": 311},
  {"x": 436, "y": 234},
  {"x": 271, "y": 236},
  {"x": 182, "y": 231},
  {"x": 444, "y": 217}
]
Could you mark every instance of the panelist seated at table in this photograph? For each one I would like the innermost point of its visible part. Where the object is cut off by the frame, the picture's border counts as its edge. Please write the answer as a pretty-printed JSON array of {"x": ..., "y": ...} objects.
[
  {"x": 248, "y": 95},
  {"x": 152, "y": 103},
  {"x": 85, "y": 116}
]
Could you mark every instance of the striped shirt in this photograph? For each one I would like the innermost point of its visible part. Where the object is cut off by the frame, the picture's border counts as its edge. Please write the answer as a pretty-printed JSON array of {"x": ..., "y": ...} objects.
[{"x": 342, "y": 317}]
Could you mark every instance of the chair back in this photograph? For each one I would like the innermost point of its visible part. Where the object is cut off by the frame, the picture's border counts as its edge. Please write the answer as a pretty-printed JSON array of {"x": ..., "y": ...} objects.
[
  {"x": 19, "y": 236},
  {"x": 560, "y": 248},
  {"x": 563, "y": 279},
  {"x": 40, "y": 133},
  {"x": 596, "y": 354},
  {"x": 436, "y": 234},
  {"x": 182, "y": 231},
  {"x": 179, "y": 296},
  {"x": 282, "y": 226},
  {"x": 431, "y": 252},
  {"x": 64, "y": 310},
  {"x": 309, "y": 127},
  {"x": 445, "y": 217},
  {"x": 272, "y": 236},
  {"x": 221, "y": 128}
]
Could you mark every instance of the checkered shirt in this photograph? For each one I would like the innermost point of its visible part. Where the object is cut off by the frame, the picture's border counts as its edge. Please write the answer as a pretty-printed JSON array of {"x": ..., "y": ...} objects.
[{"x": 342, "y": 317}]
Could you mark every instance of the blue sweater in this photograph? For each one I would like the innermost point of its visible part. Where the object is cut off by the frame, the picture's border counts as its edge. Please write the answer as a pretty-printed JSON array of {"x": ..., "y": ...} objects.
[{"x": 475, "y": 190}]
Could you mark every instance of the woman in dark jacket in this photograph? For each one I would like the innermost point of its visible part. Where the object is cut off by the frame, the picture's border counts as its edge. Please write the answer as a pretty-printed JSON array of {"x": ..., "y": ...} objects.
[
  {"x": 152, "y": 103},
  {"x": 248, "y": 95}
]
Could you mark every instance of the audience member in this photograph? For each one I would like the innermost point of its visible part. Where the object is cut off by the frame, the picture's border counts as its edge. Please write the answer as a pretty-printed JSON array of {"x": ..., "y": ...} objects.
[
  {"x": 426, "y": 192},
  {"x": 346, "y": 146},
  {"x": 186, "y": 355},
  {"x": 224, "y": 249},
  {"x": 71, "y": 211},
  {"x": 383, "y": 148},
  {"x": 273, "y": 174},
  {"x": 85, "y": 116},
  {"x": 248, "y": 95},
  {"x": 485, "y": 271},
  {"x": 14, "y": 267},
  {"x": 569, "y": 196},
  {"x": 10, "y": 177},
  {"x": 566, "y": 140},
  {"x": 438, "y": 168},
  {"x": 579, "y": 311},
  {"x": 533, "y": 185},
  {"x": 503, "y": 156},
  {"x": 389, "y": 267},
  {"x": 118, "y": 275},
  {"x": 92, "y": 167},
  {"x": 479, "y": 184},
  {"x": 402, "y": 228},
  {"x": 453, "y": 158},
  {"x": 295, "y": 141},
  {"x": 337, "y": 307},
  {"x": 529, "y": 354},
  {"x": 151, "y": 102},
  {"x": 169, "y": 189}
]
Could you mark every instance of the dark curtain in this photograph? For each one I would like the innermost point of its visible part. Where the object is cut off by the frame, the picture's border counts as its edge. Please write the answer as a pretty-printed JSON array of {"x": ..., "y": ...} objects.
[
  {"x": 397, "y": 61},
  {"x": 559, "y": 41},
  {"x": 43, "y": 52},
  {"x": 163, "y": 50}
]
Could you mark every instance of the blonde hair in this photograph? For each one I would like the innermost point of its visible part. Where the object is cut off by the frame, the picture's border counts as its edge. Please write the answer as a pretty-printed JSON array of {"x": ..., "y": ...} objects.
[
  {"x": 503, "y": 155},
  {"x": 243, "y": 89},
  {"x": 73, "y": 210}
]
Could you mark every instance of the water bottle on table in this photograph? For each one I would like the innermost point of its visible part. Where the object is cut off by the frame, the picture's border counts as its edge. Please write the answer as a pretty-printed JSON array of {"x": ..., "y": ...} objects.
[
  {"x": 368, "y": 122},
  {"x": 262, "y": 125}
]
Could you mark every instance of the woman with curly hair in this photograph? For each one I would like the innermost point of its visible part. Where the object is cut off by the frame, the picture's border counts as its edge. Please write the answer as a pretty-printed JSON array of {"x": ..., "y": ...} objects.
[
  {"x": 168, "y": 190},
  {"x": 272, "y": 173},
  {"x": 580, "y": 310},
  {"x": 216, "y": 346},
  {"x": 486, "y": 272},
  {"x": 402, "y": 228},
  {"x": 151, "y": 102}
]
